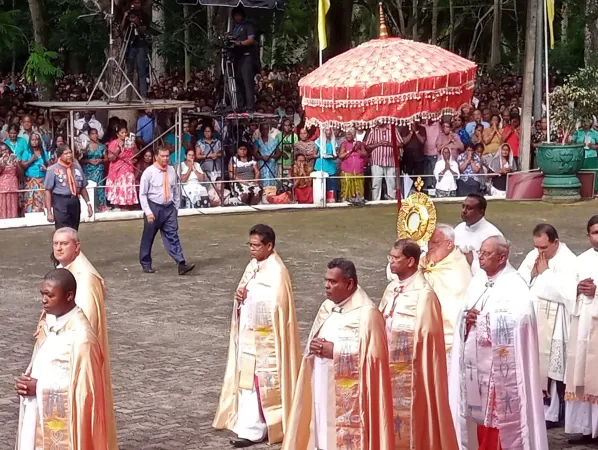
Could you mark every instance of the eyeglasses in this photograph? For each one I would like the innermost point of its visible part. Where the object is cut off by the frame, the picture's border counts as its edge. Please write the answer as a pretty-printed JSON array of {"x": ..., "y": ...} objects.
[
  {"x": 391, "y": 258},
  {"x": 485, "y": 254},
  {"x": 256, "y": 246}
]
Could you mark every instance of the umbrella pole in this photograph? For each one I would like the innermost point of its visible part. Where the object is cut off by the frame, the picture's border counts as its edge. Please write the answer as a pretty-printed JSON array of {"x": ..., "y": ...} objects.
[{"x": 395, "y": 151}]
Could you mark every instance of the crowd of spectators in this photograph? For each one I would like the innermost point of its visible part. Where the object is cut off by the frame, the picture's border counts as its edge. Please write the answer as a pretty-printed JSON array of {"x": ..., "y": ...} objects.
[{"x": 267, "y": 158}]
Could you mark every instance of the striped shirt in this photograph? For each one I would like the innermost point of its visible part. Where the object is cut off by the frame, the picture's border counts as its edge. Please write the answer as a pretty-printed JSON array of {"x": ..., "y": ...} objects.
[{"x": 382, "y": 155}]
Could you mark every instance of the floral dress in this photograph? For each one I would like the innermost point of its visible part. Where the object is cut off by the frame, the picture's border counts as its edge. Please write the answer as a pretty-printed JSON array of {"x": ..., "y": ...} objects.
[
  {"x": 96, "y": 173},
  {"x": 9, "y": 185},
  {"x": 120, "y": 183}
]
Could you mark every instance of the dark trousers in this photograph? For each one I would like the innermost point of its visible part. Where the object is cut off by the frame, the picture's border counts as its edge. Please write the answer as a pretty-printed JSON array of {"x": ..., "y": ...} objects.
[
  {"x": 165, "y": 221},
  {"x": 137, "y": 59},
  {"x": 67, "y": 211},
  {"x": 429, "y": 164},
  {"x": 245, "y": 79}
]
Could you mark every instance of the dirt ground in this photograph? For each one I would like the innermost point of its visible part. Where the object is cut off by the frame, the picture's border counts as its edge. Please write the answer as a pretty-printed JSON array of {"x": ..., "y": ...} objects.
[{"x": 169, "y": 334}]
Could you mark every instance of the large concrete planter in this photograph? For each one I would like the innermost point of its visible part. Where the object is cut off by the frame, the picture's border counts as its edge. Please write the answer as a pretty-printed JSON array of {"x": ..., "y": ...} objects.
[{"x": 560, "y": 164}]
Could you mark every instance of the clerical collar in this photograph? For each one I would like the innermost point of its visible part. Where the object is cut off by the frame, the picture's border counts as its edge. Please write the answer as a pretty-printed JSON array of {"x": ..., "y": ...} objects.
[
  {"x": 339, "y": 307},
  {"x": 492, "y": 280},
  {"x": 476, "y": 225},
  {"x": 55, "y": 324},
  {"x": 407, "y": 281}
]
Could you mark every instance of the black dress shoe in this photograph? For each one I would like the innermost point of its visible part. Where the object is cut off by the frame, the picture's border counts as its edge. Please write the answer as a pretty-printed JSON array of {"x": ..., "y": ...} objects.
[
  {"x": 186, "y": 268},
  {"x": 148, "y": 270},
  {"x": 550, "y": 425},
  {"x": 241, "y": 443}
]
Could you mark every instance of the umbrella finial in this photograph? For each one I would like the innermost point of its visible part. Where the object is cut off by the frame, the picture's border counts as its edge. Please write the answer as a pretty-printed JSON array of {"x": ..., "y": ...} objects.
[{"x": 383, "y": 34}]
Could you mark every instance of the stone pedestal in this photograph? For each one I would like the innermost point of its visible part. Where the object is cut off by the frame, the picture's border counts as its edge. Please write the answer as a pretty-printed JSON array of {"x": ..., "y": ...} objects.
[{"x": 560, "y": 163}]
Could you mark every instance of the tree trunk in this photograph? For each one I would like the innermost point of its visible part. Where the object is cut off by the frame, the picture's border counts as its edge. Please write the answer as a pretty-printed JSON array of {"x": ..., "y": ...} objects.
[
  {"x": 338, "y": 22},
  {"x": 452, "y": 25},
  {"x": 159, "y": 65},
  {"x": 528, "y": 84},
  {"x": 564, "y": 21},
  {"x": 434, "y": 37},
  {"x": 46, "y": 91},
  {"x": 402, "y": 28},
  {"x": 414, "y": 33},
  {"x": 591, "y": 33},
  {"x": 187, "y": 42},
  {"x": 519, "y": 33},
  {"x": 496, "y": 35}
]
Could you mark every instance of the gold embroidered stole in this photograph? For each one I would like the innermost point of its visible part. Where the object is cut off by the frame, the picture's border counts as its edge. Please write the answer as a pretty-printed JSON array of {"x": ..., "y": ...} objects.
[
  {"x": 346, "y": 381},
  {"x": 546, "y": 320},
  {"x": 399, "y": 307}
]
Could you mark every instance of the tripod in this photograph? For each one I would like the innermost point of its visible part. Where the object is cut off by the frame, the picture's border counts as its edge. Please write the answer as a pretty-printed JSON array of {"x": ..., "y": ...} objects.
[
  {"x": 112, "y": 91},
  {"x": 229, "y": 90}
]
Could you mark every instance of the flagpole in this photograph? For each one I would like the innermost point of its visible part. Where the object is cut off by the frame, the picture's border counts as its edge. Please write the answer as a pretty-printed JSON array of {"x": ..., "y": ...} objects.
[{"x": 546, "y": 71}]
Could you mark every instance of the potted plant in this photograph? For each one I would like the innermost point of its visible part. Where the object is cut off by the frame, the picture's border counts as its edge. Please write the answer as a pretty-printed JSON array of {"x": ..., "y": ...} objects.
[{"x": 572, "y": 107}]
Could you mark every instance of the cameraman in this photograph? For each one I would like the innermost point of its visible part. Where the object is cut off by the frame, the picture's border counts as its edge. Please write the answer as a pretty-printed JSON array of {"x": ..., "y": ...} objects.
[
  {"x": 245, "y": 54},
  {"x": 134, "y": 24}
]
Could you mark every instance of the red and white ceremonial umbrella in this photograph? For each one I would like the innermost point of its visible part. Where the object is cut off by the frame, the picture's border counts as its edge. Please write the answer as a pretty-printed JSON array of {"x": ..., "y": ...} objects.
[{"x": 387, "y": 80}]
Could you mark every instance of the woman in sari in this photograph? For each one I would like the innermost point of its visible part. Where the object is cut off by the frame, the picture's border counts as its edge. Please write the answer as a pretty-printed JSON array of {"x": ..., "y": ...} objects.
[
  {"x": 146, "y": 159},
  {"x": 303, "y": 188},
  {"x": 353, "y": 156},
  {"x": 267, "y": 154},
  {"x": 92, "y": 162},
  {"x": 34, "y": 161},
  {"x": 492, "y": 136},
  {"x": 305, "y": 146},
  {"x": 501, "y": 164},
  {"x": 446, "y": 172},
  {"x": 120, "y": 183},
  {"x": 325, "y": 161},
  {"x": 18, "y": 145},
  {"x": 9, "y": 183}
]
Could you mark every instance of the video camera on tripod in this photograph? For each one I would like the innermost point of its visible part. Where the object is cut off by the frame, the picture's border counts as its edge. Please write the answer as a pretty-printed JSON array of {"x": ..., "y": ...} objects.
[{"x": 225, "y": 42}]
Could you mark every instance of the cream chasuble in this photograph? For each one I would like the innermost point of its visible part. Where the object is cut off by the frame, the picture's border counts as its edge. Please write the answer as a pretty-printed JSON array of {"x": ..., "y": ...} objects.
[
  {"x": 418, "y": 371},
  {"x": 68, "y": 411},
  {"x": 264, "y": 344},
  {"x": 581, "y": 380},
  {"x": 449, "y": 279},
  {"x": 91, "y": 298},
  {"x": 553, "y": 295},
  {"x": 494, "y": 377},
  {"x": 344, "y": 403}
]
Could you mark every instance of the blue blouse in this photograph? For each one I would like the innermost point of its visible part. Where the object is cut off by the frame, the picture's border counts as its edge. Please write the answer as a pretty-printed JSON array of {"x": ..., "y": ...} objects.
[
  {"x": 327, "y": 165},
  {"x": 36, "y": 169},
  {"x": 17, "y": 147}
]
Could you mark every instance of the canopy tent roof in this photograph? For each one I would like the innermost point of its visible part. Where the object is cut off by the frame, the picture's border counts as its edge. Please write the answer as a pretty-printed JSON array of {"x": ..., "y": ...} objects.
[{"x": 97, "y": 105}]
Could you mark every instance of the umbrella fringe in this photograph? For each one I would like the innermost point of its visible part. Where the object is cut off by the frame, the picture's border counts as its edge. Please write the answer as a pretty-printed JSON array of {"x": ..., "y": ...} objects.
[
  {"x": 366, "y": 124},
  {"x": 319, "y": 102}
]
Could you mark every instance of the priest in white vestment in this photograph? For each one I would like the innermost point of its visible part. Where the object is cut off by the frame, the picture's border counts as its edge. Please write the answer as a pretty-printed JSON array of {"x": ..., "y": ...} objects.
[
  {"x": 474, "y": 229},
  {"x": 581, "y": 380},
  {"x": 62, "y": 390},
  {"x": 494, "y": 382},
  {"x": 264, "y": 349},
  {"x": 549, "y": 271},
  {"x": 343, "y": 398}
]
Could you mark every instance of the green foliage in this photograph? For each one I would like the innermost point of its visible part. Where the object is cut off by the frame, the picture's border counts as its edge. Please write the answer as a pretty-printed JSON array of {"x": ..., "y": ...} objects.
[
  {"x": 574, "y": 103},
  {"x": 40, "y": 67},
  {"x": 10, "y": 32}
]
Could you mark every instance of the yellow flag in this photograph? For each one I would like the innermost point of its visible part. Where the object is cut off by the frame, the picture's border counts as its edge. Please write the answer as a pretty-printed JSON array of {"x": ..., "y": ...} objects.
[
  {"x": 550, "y": 15},
  {"x": 323, "y": 7}
]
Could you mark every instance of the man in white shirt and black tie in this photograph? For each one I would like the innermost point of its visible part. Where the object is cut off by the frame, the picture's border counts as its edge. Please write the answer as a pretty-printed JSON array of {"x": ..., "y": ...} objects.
[{"x": 160, "y": 197}]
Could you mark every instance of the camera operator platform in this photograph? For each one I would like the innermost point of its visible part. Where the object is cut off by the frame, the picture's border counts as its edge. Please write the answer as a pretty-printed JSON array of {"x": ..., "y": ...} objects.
[{"x": 246, "y": 60}]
